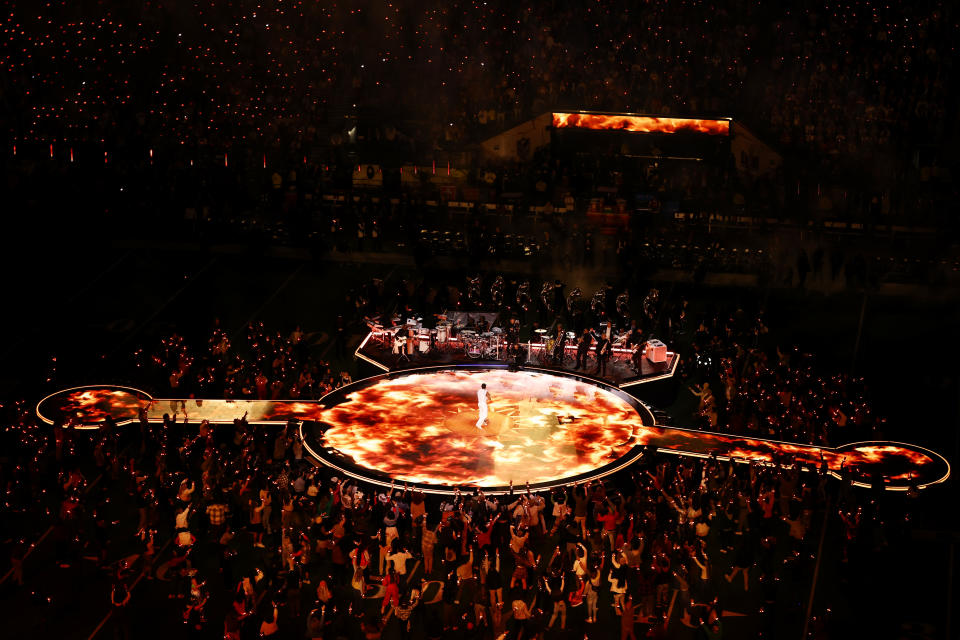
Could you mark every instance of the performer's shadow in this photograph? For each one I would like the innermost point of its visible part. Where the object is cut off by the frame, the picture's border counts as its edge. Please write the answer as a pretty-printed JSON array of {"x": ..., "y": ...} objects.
[{"x": 465, "y": 424}]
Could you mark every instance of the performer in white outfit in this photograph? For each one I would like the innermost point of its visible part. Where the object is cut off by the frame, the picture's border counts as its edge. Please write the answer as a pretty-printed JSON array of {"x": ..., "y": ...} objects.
[{"x": 482, "y": 405}]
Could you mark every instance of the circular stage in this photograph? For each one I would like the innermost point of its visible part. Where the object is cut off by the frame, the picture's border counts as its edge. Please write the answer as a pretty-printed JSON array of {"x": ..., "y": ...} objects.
[
  {"x": 419, "y": 427},
  {"x": 88, "y": 406}
]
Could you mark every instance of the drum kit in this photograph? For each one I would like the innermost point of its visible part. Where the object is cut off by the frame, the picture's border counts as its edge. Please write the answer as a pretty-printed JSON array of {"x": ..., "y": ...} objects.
[
  {"x": 550, "y": 341},
  {"x": 488, "y": 345},
  {"x": 471, "y": 345},
  {"x": 405, "y": 340},
  {"x": 423, "y": 340},
  {"x": 444, "y": 329},
  {"x": 476, "y": 342}
]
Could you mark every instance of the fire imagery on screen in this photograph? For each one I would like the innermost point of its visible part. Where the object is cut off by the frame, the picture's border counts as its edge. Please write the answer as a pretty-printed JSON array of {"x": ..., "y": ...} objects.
[
  {"x": 425, "y": 428},
  {"x": 639, "y": 124}
]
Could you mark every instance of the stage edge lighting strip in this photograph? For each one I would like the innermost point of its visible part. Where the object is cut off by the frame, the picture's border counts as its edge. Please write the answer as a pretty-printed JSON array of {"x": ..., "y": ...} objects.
[
  {"x": 662, "y": 376},
  {"x": 359, "y": 354},
  {"x": 325, "y": 460}
]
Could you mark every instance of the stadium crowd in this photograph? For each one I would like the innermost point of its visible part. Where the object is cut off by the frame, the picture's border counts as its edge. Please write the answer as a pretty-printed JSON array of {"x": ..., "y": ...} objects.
[
  {"x": 819, "y": 77},
  {"x": 270, "y": 87}
]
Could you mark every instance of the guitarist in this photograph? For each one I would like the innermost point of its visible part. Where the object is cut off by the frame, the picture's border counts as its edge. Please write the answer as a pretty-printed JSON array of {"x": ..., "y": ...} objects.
[{"x": 603, "y": 354}]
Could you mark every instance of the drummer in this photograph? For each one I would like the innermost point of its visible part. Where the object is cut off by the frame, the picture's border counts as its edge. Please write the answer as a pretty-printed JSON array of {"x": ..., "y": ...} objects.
[
  {"x": 482, "y": 325},
  {"x": 513, "y": 330}
]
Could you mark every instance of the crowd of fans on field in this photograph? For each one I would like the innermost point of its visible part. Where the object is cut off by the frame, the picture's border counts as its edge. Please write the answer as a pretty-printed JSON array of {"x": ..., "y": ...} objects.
[
  {"x": 262, "y": 365},
  {"x": 245, "y": 532},
  {"x": 251, "y": 539},
  {"x": 750, "y": 387}
]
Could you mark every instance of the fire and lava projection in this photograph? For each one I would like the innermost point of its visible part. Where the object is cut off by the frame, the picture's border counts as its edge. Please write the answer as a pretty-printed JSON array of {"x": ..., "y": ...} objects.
[
  {"x": 87, "y": 407},
  {"x": 898, "y": 464},
  {"x": 545, "y": 427},
  {"x": 639, "y": 124}
]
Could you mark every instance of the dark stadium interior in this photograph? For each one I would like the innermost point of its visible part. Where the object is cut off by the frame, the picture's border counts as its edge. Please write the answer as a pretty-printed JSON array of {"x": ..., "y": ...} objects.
[{"x": 739, "y": 219}]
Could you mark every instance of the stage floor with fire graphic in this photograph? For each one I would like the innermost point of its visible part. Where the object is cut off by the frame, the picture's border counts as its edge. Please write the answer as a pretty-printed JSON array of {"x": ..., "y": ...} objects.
[
  {"x": 545, "y": 427},
  {"x": 420, "y": 427}
]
